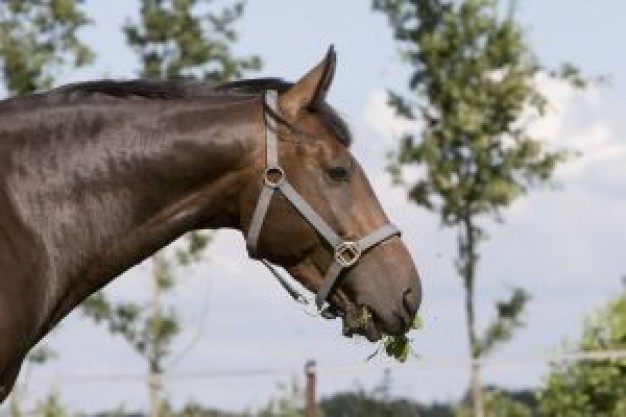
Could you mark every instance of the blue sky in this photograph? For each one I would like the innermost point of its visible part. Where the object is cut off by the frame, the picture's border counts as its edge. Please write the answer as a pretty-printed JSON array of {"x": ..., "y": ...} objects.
[{"x": 564, "y": 244}]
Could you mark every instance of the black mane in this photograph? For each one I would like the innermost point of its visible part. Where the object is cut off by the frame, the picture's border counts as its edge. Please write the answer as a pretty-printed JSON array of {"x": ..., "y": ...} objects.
[
  {"x": 149, "y": 89},
  {"x": 181, "y": 89}
]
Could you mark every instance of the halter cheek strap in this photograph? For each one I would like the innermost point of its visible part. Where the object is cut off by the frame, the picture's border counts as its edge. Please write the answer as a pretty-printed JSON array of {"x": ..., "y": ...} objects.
[{"x": 346, "y": 253}]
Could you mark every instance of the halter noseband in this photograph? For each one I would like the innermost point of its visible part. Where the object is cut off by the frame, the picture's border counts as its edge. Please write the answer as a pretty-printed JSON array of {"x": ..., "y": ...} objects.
[{"x": 346, "y": 253}]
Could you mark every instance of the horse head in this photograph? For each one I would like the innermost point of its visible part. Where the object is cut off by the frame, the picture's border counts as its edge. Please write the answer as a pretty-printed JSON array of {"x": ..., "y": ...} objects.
[{"x": 316, "y": 215}]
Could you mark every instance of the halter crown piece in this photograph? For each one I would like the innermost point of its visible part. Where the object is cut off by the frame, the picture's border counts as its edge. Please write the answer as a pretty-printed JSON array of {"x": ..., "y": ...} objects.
[{"x": 346, "y": 253}]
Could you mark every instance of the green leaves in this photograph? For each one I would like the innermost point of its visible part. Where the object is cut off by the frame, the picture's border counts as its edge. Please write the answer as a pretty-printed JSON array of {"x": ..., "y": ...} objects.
[
  {"x": 591, "y": 387},
  {"x": 507, "y": 320},
  {"x": 37, "y": 39},
  {"x": 497, "y": 404},
  {"x": 182, "y": 38},
  {"x": 40, "y": 355},
  {"x": 397, "y": 347},
  {"x": 196, "y": 242},
  {"x": 120, "y": 318},
  {"x": 474, "y": 73}
]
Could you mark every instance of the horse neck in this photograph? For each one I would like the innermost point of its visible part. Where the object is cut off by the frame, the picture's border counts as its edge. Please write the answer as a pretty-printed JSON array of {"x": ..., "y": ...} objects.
[{"x": 111, "y": 183}]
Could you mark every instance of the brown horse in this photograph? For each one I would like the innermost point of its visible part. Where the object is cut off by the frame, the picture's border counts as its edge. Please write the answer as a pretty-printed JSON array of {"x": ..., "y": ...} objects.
[{"x": 96, "y": 177}]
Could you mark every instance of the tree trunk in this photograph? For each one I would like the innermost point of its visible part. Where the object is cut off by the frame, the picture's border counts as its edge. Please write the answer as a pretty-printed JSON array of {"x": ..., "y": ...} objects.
[
  {"x": 467, "y": 268},
  {"x": 155, "y": 383},
  {"x": 477, "y": 388},
  {"x": 155, "y": 379}
]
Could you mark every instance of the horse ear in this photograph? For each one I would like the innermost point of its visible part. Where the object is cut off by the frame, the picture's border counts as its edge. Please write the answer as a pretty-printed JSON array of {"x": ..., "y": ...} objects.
[{"x": 310, "y": 91}]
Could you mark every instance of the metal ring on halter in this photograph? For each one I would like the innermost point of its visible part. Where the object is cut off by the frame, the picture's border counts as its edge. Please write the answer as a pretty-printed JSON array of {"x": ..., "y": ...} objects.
[
  {"x": 347, "y": 254},
  {"x": 274, "y": 170}
]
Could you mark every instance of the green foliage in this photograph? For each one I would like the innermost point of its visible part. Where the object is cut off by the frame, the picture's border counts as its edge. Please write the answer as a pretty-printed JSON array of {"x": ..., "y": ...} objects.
[
  {"x": 51, "y": 406},
  {"x": 197, "y": 410},
  {"x": 473, "y": 79},
  {"x": 149, "y": 330},
  {"x": 40, "y": 355},
  {"x": 37, "y": 38},
  {"x": 289, "y": 403},
  {"x": 379, "y": 403},
  {"x": 195, "y": 244},
  {"x": 181, "y": 38},
  {"x": 363, "y": 404},
  {"x": 399, "y": 347},
  {"x": 497, "y": 404},
  {"x": 591, "y": 387},
  {"x": 507, "y": 320}
]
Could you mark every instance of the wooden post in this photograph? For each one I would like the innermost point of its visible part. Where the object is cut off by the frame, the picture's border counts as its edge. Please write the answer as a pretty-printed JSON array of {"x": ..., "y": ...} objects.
[{"x": 310, "y": 405}]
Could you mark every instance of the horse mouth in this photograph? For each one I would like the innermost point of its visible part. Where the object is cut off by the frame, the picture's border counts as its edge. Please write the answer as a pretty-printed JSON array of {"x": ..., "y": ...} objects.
[
  {"x": 356, "y": 319},
  {"x": 361, "y": 323}
]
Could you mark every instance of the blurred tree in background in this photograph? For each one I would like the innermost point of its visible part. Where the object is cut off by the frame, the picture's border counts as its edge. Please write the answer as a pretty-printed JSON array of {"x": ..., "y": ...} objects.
[
  {"x": 174, "y": 39},
  {"x": 184, "y": 38},
  {"x": 591, "y": 387},
  {"x": 361, "y": 403},
  {"x": 37, "y": 39},
  {"x": 473, "y": 86},
  {"x": 289, "y": 402},
  {"x": 496, "y": 404},
  {"x": 51, "y": 406}
]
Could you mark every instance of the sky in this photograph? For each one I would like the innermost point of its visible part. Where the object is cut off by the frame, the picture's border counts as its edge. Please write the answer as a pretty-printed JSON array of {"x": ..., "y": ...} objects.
[{"x": 564, "y": 243}]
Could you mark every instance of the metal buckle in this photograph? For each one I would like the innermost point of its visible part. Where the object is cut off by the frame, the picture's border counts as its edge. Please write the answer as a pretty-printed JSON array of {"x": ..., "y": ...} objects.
[
  {"x": 347, "y": 254},
  {"x": 274, "y": 171}
]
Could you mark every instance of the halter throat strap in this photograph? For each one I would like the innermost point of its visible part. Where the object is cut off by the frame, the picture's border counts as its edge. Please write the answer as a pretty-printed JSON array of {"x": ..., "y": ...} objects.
[{"x": 346, "y": 253}]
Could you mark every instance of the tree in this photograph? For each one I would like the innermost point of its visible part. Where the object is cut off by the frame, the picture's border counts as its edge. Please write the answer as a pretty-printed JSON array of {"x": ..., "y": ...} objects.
[
  {"x": 592, "y": 386},
  {"x": 379, "y": 403},
  {"x": 473, "y": 84},
  {"x": 497, "y": 403},
  {"x": 37, "y": 38},
  {"x": 39, "y": 355},
  {"x": 149, "y": 328},
  {"x": 174, "y": 39},
  {"x": 51, "y": 406}
]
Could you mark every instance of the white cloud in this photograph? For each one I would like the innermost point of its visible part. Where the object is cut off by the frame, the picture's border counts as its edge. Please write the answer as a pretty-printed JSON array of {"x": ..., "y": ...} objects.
[
  {"x": 384, "y": 121},
  {"x": 575, "y": 120}
]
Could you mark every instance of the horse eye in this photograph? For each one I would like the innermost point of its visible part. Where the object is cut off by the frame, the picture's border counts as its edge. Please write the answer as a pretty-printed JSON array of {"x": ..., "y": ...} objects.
[{"x": 338, "y": 173}]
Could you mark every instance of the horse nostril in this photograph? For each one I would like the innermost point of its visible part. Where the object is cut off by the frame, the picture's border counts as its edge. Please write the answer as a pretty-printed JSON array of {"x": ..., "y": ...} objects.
[{"x": 410, "y": 302}]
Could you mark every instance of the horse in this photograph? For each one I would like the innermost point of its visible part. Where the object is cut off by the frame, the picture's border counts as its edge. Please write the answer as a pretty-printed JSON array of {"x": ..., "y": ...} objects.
[{"x": 97, "y": 176}]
